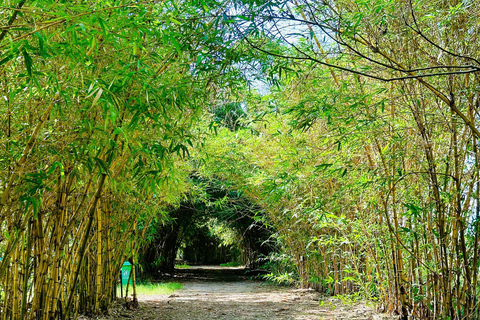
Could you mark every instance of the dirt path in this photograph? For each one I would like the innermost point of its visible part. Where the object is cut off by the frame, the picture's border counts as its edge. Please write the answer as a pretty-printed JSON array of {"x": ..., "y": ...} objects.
[{"x": 219, "y": 293}]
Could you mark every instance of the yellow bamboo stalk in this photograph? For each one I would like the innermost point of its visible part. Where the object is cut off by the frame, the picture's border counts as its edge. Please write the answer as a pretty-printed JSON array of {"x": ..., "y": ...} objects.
[
  {"x": 26, "y": 270},
  {"x": 99, "y": 276},
  {"x": 84, "y": 244},
  {"x": 16, "y": 284},
  {"x": 7, "y": 288},
  {"x": 398, "y": 251},
  {"x": 134, "y": 284},
  {"x": 53, "y": 281}
]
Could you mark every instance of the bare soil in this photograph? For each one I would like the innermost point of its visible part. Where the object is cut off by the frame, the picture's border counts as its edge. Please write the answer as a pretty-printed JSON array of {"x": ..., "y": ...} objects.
[{"x": 228, "y": 294}]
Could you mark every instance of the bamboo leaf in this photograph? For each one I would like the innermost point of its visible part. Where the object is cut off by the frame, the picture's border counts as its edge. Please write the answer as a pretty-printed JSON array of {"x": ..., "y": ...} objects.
[
  {"x": 28, "y": 62},
  {"x": 102, "y": 165},
  {"x": 54, "y": 166},
  {"x": 97, "y": 96},
  {"x": 6, "y": 59}
]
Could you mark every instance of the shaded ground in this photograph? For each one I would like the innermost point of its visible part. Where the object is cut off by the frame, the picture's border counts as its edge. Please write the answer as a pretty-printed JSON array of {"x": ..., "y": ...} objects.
[{"x": 228, "y": 294}]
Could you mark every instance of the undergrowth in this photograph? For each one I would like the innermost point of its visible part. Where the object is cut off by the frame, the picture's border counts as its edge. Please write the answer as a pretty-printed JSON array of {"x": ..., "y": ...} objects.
[
  {"x": 149, "y": 288},
  {"x": 231, "y": 264}
]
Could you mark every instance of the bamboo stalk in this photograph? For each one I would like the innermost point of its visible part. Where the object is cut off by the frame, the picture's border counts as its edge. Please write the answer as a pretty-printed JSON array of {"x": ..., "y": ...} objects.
[
  {"x": 99, "y": 272},
  {"x": 16, "y": 282},
  {"x": 84, "y": 243},
  {"x": 26, "y": 270}
]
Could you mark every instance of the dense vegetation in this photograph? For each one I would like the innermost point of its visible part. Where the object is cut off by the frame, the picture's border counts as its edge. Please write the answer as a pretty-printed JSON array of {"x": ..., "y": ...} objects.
[{"x": 345, "y": 129}]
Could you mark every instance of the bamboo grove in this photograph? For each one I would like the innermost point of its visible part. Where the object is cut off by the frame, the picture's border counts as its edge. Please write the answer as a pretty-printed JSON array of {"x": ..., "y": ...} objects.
[
  {"x": 99, "y": 101},
  {"x": 363, "y": 155},
  {"x": 367, "y": 166}
]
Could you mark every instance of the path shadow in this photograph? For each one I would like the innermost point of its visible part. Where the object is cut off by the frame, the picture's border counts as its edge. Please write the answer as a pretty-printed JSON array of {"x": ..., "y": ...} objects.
[{"x": 217, "y": 274}]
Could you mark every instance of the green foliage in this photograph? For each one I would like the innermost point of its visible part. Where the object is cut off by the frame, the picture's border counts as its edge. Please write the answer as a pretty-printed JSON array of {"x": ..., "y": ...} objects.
[
  {"x": 282, "y": 278},
  {"x": 366, "y": 183},
  {"x": 231, "y": 264},
  {"x": 223, "y": 232},
  {"x": 127, "y": 123},
  {"x": 102, "y": 105},
  {"x": 229, "y": 115},
  {"x": 280, "y": 268}
]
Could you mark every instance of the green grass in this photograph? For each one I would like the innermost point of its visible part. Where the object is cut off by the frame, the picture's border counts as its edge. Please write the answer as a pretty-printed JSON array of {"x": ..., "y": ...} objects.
[
  {"x": 182, "y": 266},
  {"x": 154, "y": 288},
  {"x": 230, "y": 264}
]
